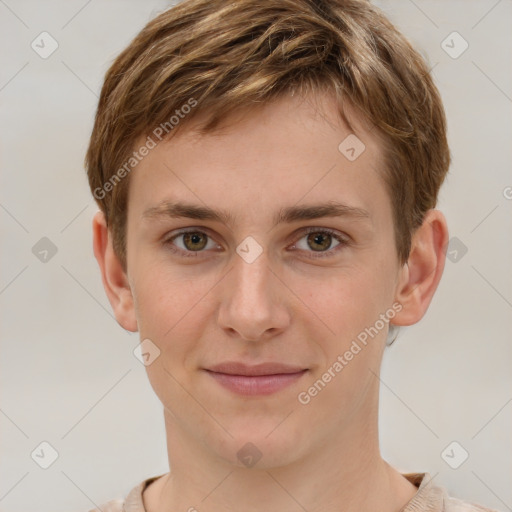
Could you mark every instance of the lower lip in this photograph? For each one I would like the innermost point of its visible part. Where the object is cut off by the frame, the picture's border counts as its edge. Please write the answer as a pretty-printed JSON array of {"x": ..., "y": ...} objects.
[{"x": 256, "y": 384}]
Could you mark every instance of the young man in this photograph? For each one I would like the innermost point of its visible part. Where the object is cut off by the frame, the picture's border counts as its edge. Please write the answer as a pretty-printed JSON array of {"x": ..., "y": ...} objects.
[{"x": 267, "y": 173}]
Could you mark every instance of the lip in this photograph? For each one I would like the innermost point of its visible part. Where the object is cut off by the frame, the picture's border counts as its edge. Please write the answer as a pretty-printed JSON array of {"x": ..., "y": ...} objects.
[
  {"x": 261, "y": 379},
  {"x": 236, "y": 368}
]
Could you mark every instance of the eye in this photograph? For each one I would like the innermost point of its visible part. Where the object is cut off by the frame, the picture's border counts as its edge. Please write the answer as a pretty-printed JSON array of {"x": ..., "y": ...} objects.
[
  {"x": 190, "y": 243},
  {"x": 319, "y": 242}
]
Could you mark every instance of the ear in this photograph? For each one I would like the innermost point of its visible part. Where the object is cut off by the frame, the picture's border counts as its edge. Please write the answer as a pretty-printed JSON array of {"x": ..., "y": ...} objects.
[
  {"x": 115, "y": 279},
  {"x": 420, "y": 276}
]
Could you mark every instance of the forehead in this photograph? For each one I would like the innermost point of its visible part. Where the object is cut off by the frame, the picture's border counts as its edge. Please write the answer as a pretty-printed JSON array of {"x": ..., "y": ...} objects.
[
  {"x": 291, "y": 150},
  {"x": 288, "y": 120}
]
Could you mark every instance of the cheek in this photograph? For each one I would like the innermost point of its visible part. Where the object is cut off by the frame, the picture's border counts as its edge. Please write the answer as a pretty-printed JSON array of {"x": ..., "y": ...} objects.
[
  {"x": 170, "y": 304},
  {"x": 344, "y": 301},
  {"x": 347, "y": 309},
  {"x": 172, "y": 315},
  {"x": 350, "y": 336}
]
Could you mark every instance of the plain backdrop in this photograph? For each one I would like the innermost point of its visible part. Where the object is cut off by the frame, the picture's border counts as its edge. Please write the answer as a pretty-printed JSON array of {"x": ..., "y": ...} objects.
[{"x": 68, "y": 374}]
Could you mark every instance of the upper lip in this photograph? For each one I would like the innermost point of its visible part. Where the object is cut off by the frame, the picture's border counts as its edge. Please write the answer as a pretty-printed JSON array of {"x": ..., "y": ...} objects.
[{"x": 236, "y": 368}]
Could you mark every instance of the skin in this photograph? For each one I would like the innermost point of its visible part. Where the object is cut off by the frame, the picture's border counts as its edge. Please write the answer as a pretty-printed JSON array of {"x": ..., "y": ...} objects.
[{"x": 286, "y": 306}]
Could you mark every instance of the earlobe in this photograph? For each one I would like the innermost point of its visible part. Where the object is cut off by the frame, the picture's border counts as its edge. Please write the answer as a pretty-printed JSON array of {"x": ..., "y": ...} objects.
[
  {"x": 420, "y": 276},
  {"x": 115, "y": 279}
]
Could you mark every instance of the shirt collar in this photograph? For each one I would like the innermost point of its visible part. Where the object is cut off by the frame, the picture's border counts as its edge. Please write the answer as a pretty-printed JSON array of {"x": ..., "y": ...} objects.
[{"x": 429, "y": 497}]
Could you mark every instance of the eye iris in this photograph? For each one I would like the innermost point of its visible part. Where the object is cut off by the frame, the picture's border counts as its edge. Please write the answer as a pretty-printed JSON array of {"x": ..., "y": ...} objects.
[
  {"x": 194, "y": 238},
  {"x": 322, "y": 239}
]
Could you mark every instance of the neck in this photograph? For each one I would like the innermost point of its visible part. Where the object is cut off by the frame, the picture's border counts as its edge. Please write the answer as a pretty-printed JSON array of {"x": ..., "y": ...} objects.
[{"x": 347, "y": 473}]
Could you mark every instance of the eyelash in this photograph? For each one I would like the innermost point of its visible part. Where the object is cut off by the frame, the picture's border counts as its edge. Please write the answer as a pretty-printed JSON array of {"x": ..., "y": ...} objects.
[{"x": 343, "y": 242}]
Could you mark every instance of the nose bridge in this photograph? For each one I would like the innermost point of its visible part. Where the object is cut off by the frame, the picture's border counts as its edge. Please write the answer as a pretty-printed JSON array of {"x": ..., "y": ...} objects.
[
  {"x": 249, "y": 303},
  {"x": 252, "y": 278}
]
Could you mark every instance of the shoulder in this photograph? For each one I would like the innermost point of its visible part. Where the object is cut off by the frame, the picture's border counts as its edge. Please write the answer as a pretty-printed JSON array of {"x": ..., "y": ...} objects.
[
  {"x": 457, "y": 505},
  {"x": 435, "y": 498},
  {"x": 110, "y": 506},
  {"x": 133, "y": 501}
]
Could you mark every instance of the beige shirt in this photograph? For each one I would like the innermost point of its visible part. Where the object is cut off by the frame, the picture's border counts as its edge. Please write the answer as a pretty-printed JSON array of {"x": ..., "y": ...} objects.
[{"x": 429, "y": 498}]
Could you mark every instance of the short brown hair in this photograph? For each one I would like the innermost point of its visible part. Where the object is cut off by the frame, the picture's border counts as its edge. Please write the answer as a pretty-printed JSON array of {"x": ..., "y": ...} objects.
[{"x": 219, "y": 56}]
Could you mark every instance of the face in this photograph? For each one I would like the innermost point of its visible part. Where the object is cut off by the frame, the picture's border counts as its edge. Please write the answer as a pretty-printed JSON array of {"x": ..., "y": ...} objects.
[{"x": 258, "y": 244}]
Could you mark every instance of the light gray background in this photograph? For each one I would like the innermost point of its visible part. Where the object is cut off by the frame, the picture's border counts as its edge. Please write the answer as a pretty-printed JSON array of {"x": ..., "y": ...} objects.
[{"x": 68, "y": 374}]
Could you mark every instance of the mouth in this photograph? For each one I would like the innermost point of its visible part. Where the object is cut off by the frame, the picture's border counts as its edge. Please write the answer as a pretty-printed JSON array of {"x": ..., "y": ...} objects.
[{"x": 262, "y": 379}]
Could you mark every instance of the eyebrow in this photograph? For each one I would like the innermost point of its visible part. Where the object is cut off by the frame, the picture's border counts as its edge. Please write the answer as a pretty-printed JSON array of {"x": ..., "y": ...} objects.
[{"x": 179, "y": 209}]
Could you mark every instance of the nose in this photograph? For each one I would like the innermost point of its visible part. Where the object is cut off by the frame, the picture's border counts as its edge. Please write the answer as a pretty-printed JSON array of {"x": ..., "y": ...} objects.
[{"x": 253, "y": 301}]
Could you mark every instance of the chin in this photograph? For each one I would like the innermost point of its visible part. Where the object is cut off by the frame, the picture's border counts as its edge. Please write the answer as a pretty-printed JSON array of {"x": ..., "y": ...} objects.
[{"x": 261, "y": 445}]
